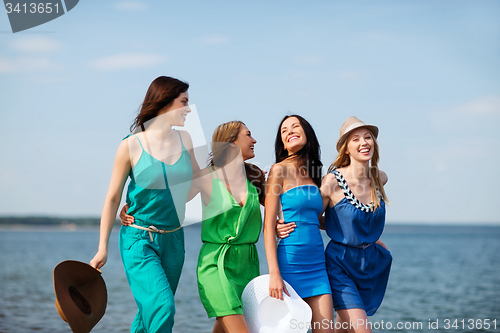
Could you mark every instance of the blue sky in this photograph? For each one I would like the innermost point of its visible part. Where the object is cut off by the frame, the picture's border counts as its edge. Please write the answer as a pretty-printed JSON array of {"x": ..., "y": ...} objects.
[{"x": 426, "y": 72}]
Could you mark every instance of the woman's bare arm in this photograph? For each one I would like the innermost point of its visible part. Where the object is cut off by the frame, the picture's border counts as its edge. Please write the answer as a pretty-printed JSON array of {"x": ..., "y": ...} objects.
[
  {"x": 274, "y": 188},
  {"x": 119, "y": 176}
]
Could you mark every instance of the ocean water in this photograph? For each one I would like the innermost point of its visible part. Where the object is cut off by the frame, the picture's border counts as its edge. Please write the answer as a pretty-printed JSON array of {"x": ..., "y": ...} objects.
[{"x": 443, "y": 279}]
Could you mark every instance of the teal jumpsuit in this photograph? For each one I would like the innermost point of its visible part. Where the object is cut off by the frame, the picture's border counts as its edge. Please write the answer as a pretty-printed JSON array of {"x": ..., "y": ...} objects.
[{"x": 153, "y": 262}]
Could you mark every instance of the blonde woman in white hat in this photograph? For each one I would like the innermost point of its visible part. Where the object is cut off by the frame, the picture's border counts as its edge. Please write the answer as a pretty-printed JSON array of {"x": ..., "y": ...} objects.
[{"x": 358, "y": 262}]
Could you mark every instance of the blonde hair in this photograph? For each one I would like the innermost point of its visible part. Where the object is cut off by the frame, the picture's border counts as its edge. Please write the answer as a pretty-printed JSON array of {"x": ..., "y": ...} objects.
[
  {"x": 223, "y": 135},
  {"x": 344, "y": 160}
]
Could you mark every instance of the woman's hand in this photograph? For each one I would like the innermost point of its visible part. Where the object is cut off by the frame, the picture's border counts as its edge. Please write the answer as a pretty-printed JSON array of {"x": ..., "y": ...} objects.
[
  {"x": 277, "y": 287},
  {"x": 321, "y": 219},
  {"x": 284, "y": 229},
  {"x": 124, "y": 218},
  {"x": 379, "y": 242},
  {"x": 99, "y": 259}
]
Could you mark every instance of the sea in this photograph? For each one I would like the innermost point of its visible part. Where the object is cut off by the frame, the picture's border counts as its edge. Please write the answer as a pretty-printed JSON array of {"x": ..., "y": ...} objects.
[{"x": 443, "y": 279}]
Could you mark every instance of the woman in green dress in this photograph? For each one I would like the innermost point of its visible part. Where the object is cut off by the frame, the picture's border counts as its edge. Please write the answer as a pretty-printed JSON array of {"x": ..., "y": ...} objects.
[{"x": 230, "y": 190}]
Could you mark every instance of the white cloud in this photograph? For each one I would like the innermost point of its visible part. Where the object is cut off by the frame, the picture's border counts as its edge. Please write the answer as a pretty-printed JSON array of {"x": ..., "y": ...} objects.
[
  {"x": 215, "y": 39},
  {"x": 51, "y": 79},
  {"x": 37, "y": 44},
  {"x": 31, "y": 55},
  {"x": 5, "y": 65},
  {"x": 472, "y": 117},
  {"x": 131, "y": 6},
  {"x": 27, "y": 64},
  {"x": 454, "y": 152},
  {"x": 127, "y": 61},
  {"x": 484, "y": 106}
]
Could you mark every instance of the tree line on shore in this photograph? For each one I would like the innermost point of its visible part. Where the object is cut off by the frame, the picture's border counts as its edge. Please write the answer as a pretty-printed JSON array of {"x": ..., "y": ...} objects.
[{"x": 50, "y": 221}]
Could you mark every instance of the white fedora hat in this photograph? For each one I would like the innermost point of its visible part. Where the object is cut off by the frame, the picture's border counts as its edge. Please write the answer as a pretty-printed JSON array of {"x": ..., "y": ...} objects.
[
  {"x": 265, "y": 314},
  {"x": 350, "y": 125}
]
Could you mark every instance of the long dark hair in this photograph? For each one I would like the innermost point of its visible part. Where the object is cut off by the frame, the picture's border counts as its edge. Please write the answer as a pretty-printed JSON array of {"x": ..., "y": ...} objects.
[
  {"x": 161, "y": 93},
  {"x": 308, "y": 157}
]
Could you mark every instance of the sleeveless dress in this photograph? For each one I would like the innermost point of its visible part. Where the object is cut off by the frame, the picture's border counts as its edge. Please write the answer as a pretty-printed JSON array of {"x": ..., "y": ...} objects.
[
  {"x": 228, "y": 258},
  {"x": 153, "y": 262},
  {"x": 301, "y": 257},
  {"x": 358, "y": 268}
]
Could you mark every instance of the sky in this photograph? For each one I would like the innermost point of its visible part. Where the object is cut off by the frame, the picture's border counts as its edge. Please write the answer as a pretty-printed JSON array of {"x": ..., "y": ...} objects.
[{"x": 427, "y": 73}]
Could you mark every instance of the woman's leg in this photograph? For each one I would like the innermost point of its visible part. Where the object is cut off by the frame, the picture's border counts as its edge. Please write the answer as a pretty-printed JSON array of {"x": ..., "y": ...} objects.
[
  {"x": 150, "y": 285},
  {"x": 218, "y": 327},
  {"x": 172, "y": 256},
  {"x": 322, "y": 313},
  {"x": 231, "y": 324},
  {"x": 352, "y": 321}
]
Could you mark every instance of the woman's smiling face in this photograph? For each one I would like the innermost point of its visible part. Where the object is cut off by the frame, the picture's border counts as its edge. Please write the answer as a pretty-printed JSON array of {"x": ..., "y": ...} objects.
[
  {"x": 245, "y": 142},
  {"x": 177, "y": 111},
  {"x": 293, "y": 135},
  {"x": 360, "y": 144}
]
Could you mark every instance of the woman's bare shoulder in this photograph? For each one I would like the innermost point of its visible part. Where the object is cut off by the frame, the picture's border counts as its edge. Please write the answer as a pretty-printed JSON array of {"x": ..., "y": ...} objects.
[
  {"x": 129, "y": 145},
  {"x": 186, "y": 139},
  {"x": 203, "y": 172},
  {"x": 277, "y": 169},
  {"x": 329, "y": 184},
  {"x": 383, "y": 177},
  {"x": 329, "y": 179}
]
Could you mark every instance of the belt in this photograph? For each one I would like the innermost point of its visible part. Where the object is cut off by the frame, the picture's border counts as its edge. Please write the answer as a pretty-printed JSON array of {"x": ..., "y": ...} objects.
[
  {"x": 152, "y": 229},
  {"x": 362, "y": 260},
  {"x": 362, "y": 246},
  {"x": 231, "y": 297}
]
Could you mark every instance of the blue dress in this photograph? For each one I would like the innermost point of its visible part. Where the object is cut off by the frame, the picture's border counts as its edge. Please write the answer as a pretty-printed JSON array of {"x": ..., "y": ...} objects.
[
  {"x": 301, "y": 257},
  {"x": 358, "y": 268}
]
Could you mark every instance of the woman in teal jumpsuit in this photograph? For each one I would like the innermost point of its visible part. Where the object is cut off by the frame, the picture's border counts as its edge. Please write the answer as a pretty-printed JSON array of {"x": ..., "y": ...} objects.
[{"x": 160, "y": 164}]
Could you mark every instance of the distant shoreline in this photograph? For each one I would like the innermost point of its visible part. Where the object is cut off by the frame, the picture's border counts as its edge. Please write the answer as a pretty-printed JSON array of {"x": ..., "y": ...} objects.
[
  {"x": 44, "y": 221},
  {"x": 41, "y": 223},
  {"x": 90, "y": 224},
  {"x": 49, "y": 221}
]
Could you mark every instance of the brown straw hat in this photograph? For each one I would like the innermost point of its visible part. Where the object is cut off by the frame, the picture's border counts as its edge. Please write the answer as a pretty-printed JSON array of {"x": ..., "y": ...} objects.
[
  {"x": 350, "y": 125},
  {"x": 81, "y": 295}
]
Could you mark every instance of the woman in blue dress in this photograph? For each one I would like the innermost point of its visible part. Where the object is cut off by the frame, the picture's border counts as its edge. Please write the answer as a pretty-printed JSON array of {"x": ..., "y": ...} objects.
[
  {"x": 358, "y": 262},
  {"x": 160, "y": 163},
  {"x": 299, "y": 258}
]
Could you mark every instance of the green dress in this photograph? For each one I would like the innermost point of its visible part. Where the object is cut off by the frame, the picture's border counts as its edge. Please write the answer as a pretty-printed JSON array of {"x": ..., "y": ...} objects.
[{"x": 228, "y": 258}]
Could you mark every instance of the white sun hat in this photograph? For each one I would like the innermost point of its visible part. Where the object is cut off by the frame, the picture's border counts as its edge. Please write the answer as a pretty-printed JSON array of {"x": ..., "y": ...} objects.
[{"x": 265, "y": 314}]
